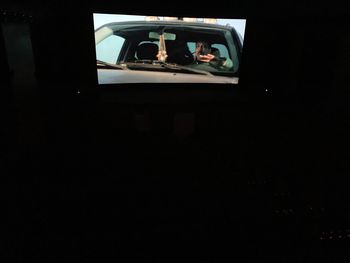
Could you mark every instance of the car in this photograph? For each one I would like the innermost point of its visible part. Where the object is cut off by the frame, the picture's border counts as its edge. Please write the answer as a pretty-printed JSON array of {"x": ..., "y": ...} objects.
[{"x": 162, "y": 51}]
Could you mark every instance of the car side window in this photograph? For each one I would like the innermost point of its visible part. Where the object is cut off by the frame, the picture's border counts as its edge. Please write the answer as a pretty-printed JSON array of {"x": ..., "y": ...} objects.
[{"x": 108, "y": 49}]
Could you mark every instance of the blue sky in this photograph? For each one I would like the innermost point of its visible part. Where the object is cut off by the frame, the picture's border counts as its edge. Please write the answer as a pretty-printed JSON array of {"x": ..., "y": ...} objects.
[{"x": 101, "y": 19}]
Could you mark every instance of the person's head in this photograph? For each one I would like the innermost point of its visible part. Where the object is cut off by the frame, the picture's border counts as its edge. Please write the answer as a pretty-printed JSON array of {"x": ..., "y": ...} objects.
[
  {"x": 203, "y": 52},
  {"x": 202, "y": 48}
]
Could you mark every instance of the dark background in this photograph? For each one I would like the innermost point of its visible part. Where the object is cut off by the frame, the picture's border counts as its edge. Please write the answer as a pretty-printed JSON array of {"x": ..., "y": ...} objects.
[{"x": 165, "y": 173}]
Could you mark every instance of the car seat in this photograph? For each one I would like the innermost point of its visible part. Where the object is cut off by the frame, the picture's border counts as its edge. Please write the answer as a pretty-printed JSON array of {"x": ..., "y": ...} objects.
[{"x": 178, "y": 53}]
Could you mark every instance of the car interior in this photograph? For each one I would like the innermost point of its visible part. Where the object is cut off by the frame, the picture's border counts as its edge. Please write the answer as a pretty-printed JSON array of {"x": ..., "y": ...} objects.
[{"x": 177, "y": 50}]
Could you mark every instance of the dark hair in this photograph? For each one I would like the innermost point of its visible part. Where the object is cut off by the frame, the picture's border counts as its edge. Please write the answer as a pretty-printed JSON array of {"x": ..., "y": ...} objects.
[{"x": 204, "y": 47}]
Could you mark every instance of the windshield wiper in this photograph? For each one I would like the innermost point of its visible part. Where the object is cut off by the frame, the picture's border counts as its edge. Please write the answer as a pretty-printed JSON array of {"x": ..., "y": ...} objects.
[
  {"x": 154, "y": 65},
  {"x": 109, "y": 65},
  {"x": 187, "y": 69}
]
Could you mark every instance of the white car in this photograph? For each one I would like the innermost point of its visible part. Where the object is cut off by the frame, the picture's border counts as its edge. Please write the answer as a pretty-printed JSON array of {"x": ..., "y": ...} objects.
[{"x": 167, "y": 52}]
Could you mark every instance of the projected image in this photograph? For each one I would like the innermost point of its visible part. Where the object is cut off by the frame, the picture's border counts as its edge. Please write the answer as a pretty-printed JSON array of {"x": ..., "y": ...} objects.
[{"x": 149, "y": 49}]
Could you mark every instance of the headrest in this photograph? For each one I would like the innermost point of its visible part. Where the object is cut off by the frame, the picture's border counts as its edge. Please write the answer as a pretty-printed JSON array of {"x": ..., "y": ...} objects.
[{"x": 147, "y": 51}]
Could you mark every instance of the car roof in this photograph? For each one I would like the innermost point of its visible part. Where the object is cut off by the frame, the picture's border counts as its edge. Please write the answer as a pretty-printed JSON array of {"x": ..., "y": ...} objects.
[{"x": 170, "y": 23}]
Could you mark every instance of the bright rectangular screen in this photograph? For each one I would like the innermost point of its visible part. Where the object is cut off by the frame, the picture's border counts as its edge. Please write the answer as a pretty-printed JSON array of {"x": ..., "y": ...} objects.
[{"x": 153, "y": 49}]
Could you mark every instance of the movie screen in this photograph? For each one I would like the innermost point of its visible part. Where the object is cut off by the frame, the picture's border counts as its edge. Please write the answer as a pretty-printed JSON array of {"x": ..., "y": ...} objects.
[{"x": 153, "y": 49}]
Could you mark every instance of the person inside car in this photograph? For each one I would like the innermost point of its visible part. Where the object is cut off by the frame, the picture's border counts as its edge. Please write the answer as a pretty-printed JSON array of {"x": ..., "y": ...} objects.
[{"x": 204, "y": 54}]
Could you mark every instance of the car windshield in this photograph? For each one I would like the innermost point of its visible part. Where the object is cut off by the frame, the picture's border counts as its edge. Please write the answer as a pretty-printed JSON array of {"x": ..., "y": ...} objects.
[{"x": 198, "y": 47}]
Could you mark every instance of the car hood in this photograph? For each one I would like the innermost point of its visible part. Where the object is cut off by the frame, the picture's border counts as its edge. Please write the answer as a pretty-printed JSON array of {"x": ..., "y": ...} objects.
[{"x": 112, "y": 76}]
